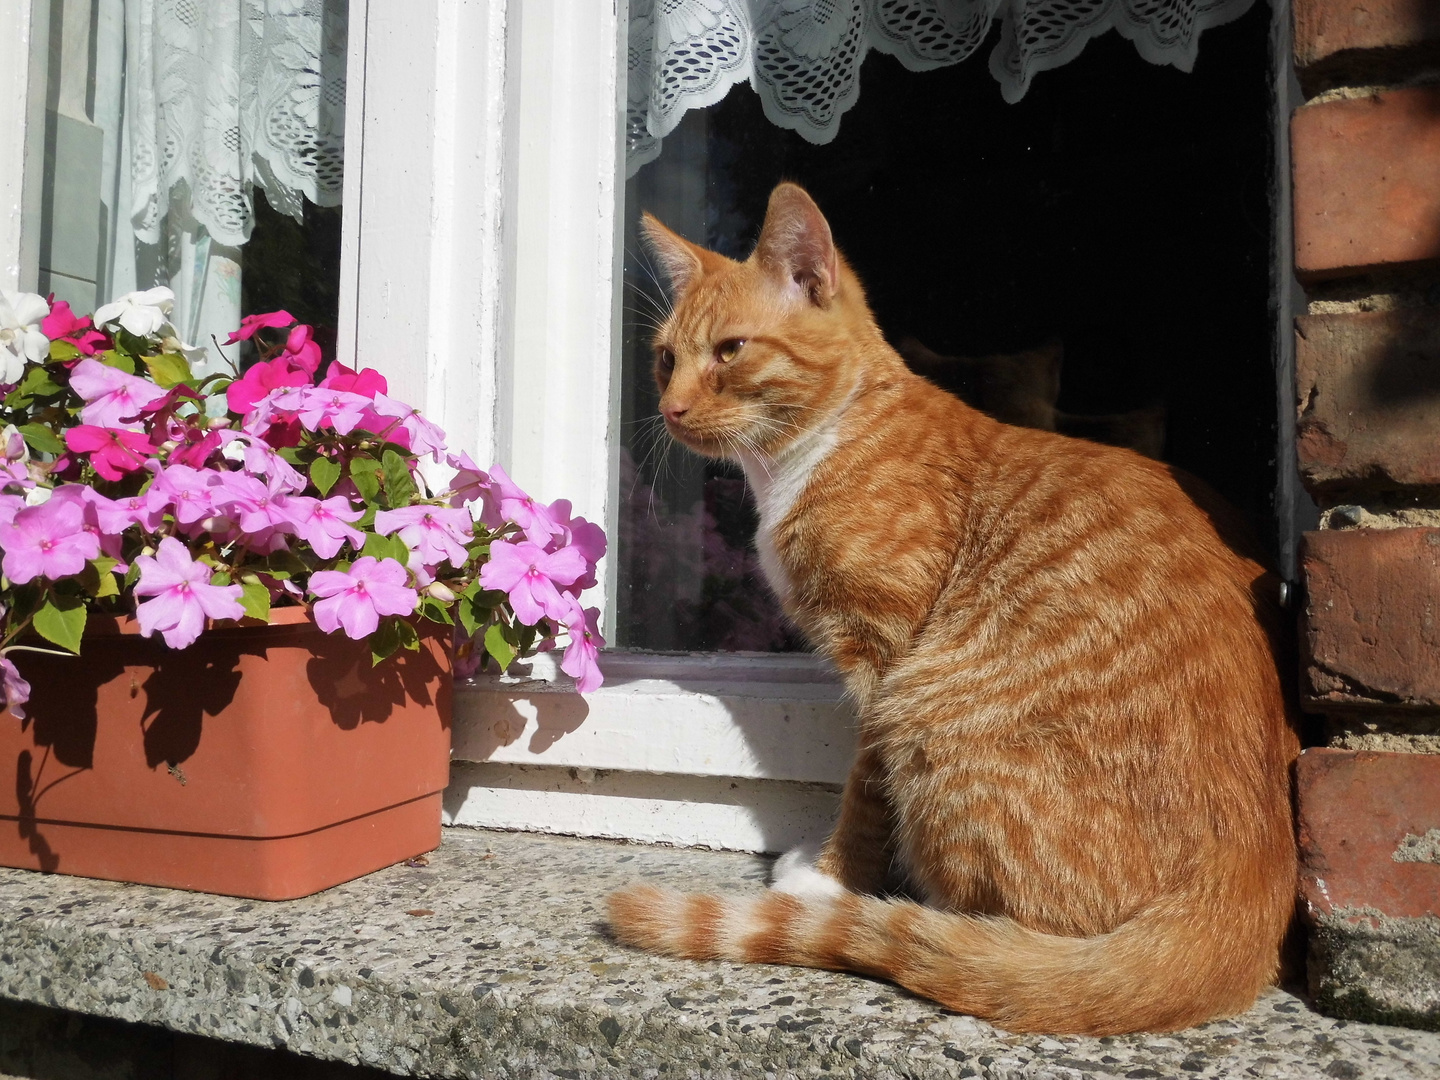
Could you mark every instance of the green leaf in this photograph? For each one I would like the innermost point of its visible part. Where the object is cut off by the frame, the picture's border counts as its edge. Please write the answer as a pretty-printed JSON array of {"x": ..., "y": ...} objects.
[
  {"x": 255, "y": 599},
  {"x": 386, "y": 547},
  {"x": 117, "y": 359},
  {"x": 283, "y": 565},
  {"x": 385, "y": 640},
  {"x": 527, "y": 637},
  {"x": 365, "y": 472},
  {"x": 470, "y": 619},
  {"x": 291, "y": 454},
  {"x": 498, "y": 647},
  {"x": 61, "y": 619},
  {"x": 38, "y": 383},
  {"x": 41, "y": 439},
  {"x": 435, "y": 611},
  {"x": 409, "y": 637},
  {"x": 220, "y": 577},
  {"x": 399, "y": 484},
  {"x": 169, "y": 369},
  {"x": 323, "y": 474},
  {"x": 63, "y": 350},
  {"x": 104, "y": 570}
]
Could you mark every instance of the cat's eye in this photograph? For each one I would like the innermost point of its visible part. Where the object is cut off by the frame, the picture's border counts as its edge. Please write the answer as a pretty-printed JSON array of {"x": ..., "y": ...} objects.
[
  {"x": 665, "y": 359},
  {"x": 726, "y": 350}
]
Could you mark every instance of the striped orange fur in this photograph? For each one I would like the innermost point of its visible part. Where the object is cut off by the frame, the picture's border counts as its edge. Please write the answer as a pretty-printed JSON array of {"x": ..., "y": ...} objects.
[{"x": 1075, "y": 745}]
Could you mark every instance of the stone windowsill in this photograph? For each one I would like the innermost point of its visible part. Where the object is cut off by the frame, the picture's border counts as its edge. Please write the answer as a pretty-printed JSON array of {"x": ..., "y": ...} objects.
[{"x": 490, "y": 961}]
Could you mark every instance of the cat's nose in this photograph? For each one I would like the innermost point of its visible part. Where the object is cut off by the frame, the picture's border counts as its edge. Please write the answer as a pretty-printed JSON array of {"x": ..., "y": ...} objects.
[{"x": 673, "y": 413}]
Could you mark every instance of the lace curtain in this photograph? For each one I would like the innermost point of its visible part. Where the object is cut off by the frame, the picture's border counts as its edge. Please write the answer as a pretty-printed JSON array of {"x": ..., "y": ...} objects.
[
  {"x": 803, "y": 57},
  {"x": 229, "y": 95},
  {"x": 200, "y": 102}
]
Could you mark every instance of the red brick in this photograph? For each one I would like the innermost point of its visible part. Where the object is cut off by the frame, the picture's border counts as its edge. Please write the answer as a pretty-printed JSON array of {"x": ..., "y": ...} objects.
[
  {"x": 1367, "y": 182},
  {"x": 1356, "y": 809},
  {"x": 1326, "y": 27},
  {"x": 1368, "y": 387},
  {"x": 1372, "y": 619}
]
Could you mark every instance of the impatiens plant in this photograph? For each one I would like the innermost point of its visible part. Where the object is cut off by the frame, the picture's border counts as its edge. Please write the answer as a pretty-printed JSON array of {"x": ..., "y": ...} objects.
[{"x": 133, "y": 484}]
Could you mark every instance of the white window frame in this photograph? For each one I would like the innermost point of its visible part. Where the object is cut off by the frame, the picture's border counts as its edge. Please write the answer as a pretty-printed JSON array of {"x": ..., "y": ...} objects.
[{"x": 480, "y": 263}]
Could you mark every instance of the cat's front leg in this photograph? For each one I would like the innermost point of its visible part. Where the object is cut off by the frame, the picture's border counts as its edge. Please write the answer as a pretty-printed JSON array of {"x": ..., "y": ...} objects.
[{"x": 858, "y": 855}]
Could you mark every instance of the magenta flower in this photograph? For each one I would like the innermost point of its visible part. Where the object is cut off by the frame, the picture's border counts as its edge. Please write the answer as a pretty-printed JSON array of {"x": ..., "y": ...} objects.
[
  {"x": 435, "y": 533},
  {"x": 49, "y": 540},
  {"x": 581, "y": 658},
  {"x": 516, "y": 506},
  {"x": 183, "y": 595},
  {"x": 367, "y": 383},
  {"x": 113, "y": 451},
  {"x": 325, "y": 525},
  {"x": 16, "y": 689},
  {"x": 112, "y": 398},
  {"x": 355, "y": 599},
  {"x": 530, "y": 575},
  {"x": 301, "y": 350},
  {"x": 250, "y": 323},
  {"x": 61, "y": 324}
]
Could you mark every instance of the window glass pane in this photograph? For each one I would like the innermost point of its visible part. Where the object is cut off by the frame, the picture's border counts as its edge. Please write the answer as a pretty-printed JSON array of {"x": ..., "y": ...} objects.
[
  {"x": 196, "y": 146},
  {"x": 1094, "y": 259}
]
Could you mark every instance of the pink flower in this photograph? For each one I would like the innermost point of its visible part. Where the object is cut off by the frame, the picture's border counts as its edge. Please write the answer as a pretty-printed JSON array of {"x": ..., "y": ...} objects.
[
  {"x": 113, "y": 451},
  {"x": 114, "y": 516},
  {"x": 471, "y": 483},
  {"x": 260, "y": 459},
  {"x": 242, "y": 395},
  {"x": 250, "y": 323},
  {"x": 315, "y": 407},
  {"x": 17, "y": 690},
  {"x": 423, "y": 436},
  {"x": 10, "y": 505},
  {"x": 581, "y": 658},
  {"x": 530, "y": 575},
  {"x": 584, "y": 536},
  {"x": 324, "y": 525},
  {"x": 49, "y": 540},
  {"x": 257, "y": 508},
  {"x": 434, "y": 533},
  {"x": 516, "y": 506},
  {"x": 188, "y": 493},
  {"x": 113, "y": 399},
  {"x": 61, "y": 323},
  {"x": 355, "y": 599},
  {"x": 367, "y": 383},
  {"x": 183, "y": 595}
]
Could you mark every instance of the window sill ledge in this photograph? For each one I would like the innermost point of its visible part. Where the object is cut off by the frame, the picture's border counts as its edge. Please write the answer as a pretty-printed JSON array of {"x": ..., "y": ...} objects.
[{"x": 511, "y": 975}]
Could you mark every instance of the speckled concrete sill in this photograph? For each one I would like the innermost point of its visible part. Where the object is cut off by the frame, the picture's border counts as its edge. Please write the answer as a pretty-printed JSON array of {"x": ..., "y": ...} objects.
[{"x": 490, "y": 962}]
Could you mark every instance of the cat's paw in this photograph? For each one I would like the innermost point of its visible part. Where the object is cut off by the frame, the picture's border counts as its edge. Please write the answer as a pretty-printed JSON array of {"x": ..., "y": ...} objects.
[{"x": 795, "y": 873}]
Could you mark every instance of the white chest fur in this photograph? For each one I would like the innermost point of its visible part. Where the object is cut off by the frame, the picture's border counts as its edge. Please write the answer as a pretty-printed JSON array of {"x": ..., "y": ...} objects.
[{"x": 777, "y": 482}]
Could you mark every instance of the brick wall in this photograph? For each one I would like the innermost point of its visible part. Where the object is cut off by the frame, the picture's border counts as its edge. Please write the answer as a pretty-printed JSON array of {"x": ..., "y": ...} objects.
[{"x": 1366, "y": 155}]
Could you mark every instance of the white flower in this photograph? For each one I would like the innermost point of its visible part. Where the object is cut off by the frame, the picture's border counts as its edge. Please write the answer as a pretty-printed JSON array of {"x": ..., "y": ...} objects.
[
  {"x": 20, "y": 336},
  {"x": 141, "y": 313}
]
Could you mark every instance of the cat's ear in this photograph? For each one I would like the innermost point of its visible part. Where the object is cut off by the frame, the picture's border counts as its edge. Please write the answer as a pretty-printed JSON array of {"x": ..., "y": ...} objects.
[
  {"x": 795, "y": 244},
  {"x": 679, "y": 258}
]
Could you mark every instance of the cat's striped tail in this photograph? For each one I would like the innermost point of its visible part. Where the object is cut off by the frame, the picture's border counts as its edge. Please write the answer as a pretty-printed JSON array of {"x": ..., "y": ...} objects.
[{"x": 1161, "y": 971}]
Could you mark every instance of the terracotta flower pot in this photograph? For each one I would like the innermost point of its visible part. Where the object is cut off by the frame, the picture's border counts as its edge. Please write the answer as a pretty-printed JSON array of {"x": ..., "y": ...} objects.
[{"x": 263, "y": 761}]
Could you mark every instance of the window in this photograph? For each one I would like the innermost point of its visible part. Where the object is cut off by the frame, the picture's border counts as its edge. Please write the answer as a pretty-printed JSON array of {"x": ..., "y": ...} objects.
[{"x": 487, "y": 264}]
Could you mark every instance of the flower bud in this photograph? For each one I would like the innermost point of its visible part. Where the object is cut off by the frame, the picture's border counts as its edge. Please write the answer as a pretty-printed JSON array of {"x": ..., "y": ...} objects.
[{"x": 440, "y": 592}]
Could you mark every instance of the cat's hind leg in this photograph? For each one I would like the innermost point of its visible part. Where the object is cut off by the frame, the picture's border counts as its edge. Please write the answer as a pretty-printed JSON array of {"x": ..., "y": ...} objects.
[{"x": 857, "y": 856}]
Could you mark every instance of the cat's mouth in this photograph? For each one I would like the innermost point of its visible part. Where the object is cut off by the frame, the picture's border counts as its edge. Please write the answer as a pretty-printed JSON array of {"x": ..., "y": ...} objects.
[{"x": 701, "y": 440}]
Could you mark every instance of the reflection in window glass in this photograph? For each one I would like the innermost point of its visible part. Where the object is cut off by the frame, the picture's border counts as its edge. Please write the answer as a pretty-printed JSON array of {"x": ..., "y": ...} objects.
[
  {"x": 1094, "y": 259},
  {"x": 197, "y": 146}
]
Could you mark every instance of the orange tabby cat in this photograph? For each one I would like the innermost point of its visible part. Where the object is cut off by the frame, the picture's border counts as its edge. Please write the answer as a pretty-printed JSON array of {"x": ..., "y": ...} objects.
[{"x": 1073, "y": 738}]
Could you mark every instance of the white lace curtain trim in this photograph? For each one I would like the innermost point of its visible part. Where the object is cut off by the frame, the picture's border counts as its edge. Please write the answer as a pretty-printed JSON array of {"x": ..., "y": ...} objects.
[
  {"x": 803, "y": 57},
  {"x": 224, "y": 96}
]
